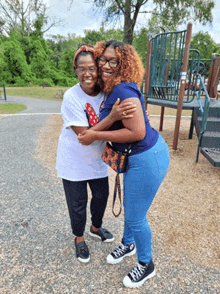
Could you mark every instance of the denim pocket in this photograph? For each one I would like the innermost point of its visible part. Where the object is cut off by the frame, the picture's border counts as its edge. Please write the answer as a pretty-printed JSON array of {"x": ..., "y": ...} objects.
[{"x": 162, "y": 158}]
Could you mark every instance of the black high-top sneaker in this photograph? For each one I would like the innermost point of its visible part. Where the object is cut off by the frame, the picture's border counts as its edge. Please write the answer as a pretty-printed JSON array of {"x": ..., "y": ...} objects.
[
  {"x": 120, "y": 252},
  {"x": 140, "y": 273}
]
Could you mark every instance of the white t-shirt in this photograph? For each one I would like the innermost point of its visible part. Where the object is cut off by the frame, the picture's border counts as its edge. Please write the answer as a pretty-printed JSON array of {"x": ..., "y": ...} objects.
[{"x": 76, "y": 162}]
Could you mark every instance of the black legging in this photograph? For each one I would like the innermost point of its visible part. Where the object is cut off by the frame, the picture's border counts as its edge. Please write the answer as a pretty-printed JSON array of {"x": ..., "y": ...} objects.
[{"x": 77, "y": 198}]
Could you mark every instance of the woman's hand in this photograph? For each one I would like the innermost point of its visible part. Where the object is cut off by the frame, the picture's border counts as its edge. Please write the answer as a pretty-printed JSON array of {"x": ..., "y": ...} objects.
[
  {"x": 122, "y": 111},
  {"x": 87, "y": 137}
]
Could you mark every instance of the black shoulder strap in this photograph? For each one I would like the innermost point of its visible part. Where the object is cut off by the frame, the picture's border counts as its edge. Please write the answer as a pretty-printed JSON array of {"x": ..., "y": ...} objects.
[{"x": 117, "y": 189}]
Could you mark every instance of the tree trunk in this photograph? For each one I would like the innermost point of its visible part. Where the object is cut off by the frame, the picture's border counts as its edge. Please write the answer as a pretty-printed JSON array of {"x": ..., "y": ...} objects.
[
  {"x": 128, "y": 32},
  {"x": 128, "y": 27},
  {"x": 129, "y": 23}
]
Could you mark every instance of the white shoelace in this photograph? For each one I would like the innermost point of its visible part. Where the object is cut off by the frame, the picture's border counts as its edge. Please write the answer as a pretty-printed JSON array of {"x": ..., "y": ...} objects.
[
  {"x": 119, "y": 251},
  {"x": 137, "y": 271}
]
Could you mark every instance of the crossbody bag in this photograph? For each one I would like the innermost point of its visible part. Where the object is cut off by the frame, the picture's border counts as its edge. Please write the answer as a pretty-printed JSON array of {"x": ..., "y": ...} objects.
[{"x": 118, "y": 161}]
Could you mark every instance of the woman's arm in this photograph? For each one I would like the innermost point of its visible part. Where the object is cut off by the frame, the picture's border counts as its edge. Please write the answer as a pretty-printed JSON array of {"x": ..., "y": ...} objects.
[
  {"x": 117, "y": 113},
  {"x": 134, "y": 129},
  {"x": 79, "y": 130}
]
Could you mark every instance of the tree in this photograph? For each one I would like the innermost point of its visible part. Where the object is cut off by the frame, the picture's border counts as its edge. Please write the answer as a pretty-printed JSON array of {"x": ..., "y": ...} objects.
[
  {"x": 140, "y": 43},
  {"x": 16, "y": 15},
  {"x": 66, "y": 62},
  {"x": 91, "y": 37},
  {"x": 157, "y": 24},
  {"x": 205, "y": 44},
  {"x": 171, "y": 11},
  {"x": 140, "y": 40},
  {"x": 61, "y": 44},
  {"x": 15, "y": 67},
  {"x": 3, "y": 66}
]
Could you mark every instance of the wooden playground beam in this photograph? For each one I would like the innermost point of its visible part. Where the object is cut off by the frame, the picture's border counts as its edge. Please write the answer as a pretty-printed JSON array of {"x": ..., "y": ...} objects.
[
  {"x": 214, "y": 75},
  {"x": 182, "y": 85},
  {"x": 211, "y": 73},
  {"x": 147, "y": 73}
]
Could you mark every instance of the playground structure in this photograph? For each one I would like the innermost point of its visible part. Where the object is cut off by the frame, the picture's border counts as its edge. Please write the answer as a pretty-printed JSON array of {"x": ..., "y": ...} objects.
[
  {"x": 177, "y": 77},
  {"x": 214, "y": 77},
  {"x": 4, "y": 92}
]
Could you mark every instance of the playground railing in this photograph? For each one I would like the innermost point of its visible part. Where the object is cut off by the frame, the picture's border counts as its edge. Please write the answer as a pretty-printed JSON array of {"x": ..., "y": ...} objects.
[
  {"x": 196, "y": 66},
  {"x": 204, "y": 108},
  {"x": 166, "y": 61},
  {"x": 203, "y": 68},
  {"x": 165, "y": 65},
  {"x": 191, "y": 85}
]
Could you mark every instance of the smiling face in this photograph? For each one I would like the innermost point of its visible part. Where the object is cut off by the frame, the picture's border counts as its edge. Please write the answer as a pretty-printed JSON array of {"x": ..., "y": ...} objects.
[
  {"x": 107, "y": 71},
  {"x": 86, "y": 71}
]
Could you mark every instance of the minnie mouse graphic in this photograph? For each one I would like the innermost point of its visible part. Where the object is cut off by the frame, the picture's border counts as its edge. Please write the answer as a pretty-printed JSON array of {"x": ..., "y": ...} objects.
[{"x": 92, "y": 117}]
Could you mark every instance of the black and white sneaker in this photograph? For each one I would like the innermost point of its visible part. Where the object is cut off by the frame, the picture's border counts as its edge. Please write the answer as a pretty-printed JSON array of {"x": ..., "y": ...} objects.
[
  {"x": 140, "y": 273},
  {"x": 120, "y": 252},
  {"x": 82, "y": 252},
  {"x": 102, "y": 234}
]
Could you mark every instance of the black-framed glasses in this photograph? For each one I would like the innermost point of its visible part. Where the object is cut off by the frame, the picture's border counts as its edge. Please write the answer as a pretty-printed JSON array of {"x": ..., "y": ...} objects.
[
  {"x": 112, "y": 62},
  {"x": 81, "y": 70}
]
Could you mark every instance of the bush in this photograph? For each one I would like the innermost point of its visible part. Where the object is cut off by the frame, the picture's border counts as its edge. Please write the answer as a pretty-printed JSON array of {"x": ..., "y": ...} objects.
[
  {"x": 40, "y": 82},
  {"x": 19, "y": 82},
  {"x": 49, "y": 82},
  {"x": 67, "y": 82}
]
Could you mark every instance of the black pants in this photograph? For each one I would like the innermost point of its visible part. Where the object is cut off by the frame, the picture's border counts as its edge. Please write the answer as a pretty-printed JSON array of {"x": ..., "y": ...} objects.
[{"x": 77, "y": 198}]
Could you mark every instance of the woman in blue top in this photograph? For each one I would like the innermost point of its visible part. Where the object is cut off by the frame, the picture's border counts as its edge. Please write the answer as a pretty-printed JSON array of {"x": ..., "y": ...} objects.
[{"x": 121, "y": 71}]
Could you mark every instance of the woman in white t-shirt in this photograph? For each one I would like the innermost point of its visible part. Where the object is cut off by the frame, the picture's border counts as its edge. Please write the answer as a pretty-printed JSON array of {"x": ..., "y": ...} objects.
[{"x": 78, "y": 165}]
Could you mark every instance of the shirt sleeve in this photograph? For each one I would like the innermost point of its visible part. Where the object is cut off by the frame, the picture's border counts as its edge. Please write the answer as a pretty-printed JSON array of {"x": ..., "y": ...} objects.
[
  {"x": 73, "y": 112},
  {"x": 124, "y": 91}
]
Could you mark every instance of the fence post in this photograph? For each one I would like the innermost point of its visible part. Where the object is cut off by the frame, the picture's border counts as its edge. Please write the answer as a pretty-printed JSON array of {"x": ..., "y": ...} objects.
[{"x": 182, "y": 84}]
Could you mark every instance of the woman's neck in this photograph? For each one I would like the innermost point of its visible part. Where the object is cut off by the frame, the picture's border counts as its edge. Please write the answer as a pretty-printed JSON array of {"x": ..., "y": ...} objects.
[{"x": 90, "y": 92}]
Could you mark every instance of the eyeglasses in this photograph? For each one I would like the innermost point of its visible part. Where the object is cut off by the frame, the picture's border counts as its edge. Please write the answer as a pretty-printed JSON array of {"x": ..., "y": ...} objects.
[
  {"x": 112, "y": 62},
  {"x": 81, "y": 70}
]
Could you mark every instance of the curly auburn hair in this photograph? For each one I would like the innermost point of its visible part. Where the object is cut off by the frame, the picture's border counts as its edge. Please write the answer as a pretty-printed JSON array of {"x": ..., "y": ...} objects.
[{"x": 130, "y": 67}]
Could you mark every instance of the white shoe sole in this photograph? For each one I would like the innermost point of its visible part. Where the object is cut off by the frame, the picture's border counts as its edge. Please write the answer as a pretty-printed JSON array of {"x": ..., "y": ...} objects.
[
  {"x": 128, "y": 283},
  {"x": 98, "y": 237},
  {"x": 83, "y": 260},
  {"x": 110, "y": 259}
]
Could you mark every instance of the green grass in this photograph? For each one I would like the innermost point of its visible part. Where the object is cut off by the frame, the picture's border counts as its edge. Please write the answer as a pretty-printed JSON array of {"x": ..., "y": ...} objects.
[
  {"x": 46, "y": 93},
  {"x": 56, "y": 93},
  {"x": 9, "y": 108}
]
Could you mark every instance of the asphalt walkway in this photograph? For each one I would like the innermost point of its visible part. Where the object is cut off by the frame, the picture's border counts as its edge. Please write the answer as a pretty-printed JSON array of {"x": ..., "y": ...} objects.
[
  {"x": 29, "y": 209},
  {"x": 37, "y": 247},
  {"x": 37, "y": 253}
]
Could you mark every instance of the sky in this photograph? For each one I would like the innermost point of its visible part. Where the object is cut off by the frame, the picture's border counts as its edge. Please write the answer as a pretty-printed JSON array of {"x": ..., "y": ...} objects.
[{"x": 80, "y": 16}]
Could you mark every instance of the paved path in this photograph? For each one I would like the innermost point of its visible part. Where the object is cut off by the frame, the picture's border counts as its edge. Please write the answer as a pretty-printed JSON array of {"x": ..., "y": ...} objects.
[
  {"x": 30, "y": 206},
  {"x": 37, "y": 252},
  {"x": 35, "y": 105}
]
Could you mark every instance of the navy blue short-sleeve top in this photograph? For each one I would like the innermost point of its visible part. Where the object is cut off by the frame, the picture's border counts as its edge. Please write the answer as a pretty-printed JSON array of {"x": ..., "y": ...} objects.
[{"x": 125, "y": 91}]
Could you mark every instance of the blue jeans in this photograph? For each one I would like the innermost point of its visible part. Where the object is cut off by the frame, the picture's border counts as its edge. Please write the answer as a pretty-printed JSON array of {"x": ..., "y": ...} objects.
[{"x": 145, "y": 173}]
